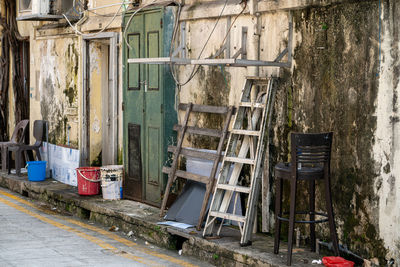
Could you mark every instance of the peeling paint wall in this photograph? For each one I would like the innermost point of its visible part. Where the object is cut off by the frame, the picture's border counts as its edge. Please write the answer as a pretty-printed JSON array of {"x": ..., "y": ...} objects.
[
  {"x": 54, "y": 86},
  {"x": 387, "y": 140},
  {"x": 98, "y": 65},
  {"x": 337, "y": 83},
  {"x": 56, "y": 77}
]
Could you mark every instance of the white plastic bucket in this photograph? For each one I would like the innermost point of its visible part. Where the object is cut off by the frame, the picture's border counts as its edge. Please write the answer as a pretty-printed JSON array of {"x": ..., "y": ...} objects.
[{"x": 111, "y": 181}]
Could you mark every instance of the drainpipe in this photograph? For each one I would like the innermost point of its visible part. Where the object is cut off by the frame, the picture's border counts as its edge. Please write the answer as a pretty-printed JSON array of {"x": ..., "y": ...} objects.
[
  {"x": 255, "y": 70},
  {"x": 255, "y": 44}
]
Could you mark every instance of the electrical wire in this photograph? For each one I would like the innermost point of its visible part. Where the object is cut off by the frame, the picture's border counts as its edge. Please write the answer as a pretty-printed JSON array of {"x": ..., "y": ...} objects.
[
  {"x": 103, "y": 29},
  {"x": 102, "y": 15},
  {"x": 195, "y": 69},
  {"x": 234, "y": 20},
  {"x": 131, "y": 18}
]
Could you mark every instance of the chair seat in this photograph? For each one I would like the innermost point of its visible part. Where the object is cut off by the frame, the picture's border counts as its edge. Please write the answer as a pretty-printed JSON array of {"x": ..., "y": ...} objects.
[
  {"x": 283, "y": 169},
  {"x": 22, "y": 147},
  {"x": 8, "y": 143}
]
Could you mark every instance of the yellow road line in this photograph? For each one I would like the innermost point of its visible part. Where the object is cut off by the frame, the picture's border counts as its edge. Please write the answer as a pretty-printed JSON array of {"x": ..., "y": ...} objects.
[
  {"x": 105, "y": 233},
  {"x": 92, "y": 239}
]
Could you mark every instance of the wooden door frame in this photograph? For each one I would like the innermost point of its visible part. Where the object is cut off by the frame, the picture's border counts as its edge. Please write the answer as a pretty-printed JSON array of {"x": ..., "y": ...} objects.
[{"x": 84, "y": 145}]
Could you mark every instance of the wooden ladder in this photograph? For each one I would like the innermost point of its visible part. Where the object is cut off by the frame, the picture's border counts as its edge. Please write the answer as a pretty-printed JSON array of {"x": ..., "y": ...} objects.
[
  {"x": 245, "y": 147},
  {"x": 178, "y": 150}
]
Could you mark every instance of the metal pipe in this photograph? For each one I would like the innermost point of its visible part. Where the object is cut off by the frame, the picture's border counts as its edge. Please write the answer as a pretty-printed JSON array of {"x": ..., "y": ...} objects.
[{"x": 111, "y": 5}]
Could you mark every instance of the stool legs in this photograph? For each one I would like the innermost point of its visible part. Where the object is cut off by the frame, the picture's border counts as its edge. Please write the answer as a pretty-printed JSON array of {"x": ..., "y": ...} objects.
[
  {"x": 329, "y": 208},
  {"x": 292, "y": 217},
  {"x": 312, "y": 214},
  {"x": 278, "y": 212}
]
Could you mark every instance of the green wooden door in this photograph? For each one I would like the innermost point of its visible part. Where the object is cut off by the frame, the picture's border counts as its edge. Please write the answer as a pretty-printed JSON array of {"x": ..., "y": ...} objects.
[{"x": 143, "y": 110}]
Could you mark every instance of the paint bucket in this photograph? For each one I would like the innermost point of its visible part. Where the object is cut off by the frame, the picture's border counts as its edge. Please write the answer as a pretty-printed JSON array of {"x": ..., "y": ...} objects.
[
  {"x": 36, "y": 170},
  {"x": 88, "y": 180},
  {"x": 111, "y": 181}
]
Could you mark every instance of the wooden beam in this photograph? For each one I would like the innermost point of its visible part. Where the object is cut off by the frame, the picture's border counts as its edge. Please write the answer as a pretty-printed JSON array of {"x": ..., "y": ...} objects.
[
  {"x": 199, "y": 131},
  {"x": 187, "y": 152}
]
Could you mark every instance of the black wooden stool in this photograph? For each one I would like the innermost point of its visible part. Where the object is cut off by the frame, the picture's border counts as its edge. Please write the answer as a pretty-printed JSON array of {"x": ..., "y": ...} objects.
[{"x": 310, "y": 160}]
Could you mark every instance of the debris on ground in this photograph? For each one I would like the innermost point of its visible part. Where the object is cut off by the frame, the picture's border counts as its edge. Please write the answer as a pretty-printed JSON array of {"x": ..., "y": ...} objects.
[
  {"x": 316, "y": 262},
  {"x": 113, "y": 229},
  {"x": 130, "y": 234},
  {"x": 180, "y": 252}
]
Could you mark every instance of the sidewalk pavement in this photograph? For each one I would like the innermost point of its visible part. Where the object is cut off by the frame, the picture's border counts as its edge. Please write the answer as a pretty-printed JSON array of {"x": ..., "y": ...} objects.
[{"x": 142, "y": 220}]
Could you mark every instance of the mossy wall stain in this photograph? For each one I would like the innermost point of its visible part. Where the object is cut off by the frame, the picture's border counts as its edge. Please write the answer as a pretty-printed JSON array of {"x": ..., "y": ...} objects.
[
  {"x": 59, "y": 81},
  {"x": 333, "y": 87},
  {"x": 213, "y": 89}
]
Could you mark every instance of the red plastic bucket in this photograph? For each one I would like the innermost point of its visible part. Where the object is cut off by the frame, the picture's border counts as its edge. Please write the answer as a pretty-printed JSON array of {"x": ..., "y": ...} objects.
[{"x": 88, "y": 180}]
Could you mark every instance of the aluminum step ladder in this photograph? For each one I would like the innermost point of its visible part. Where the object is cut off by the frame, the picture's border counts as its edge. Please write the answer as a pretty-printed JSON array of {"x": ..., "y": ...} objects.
[{"x": 245, "y": 147}]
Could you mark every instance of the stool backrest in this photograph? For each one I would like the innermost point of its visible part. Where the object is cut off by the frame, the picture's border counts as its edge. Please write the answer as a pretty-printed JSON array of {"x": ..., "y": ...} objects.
[{"x": 311, "y": 148}]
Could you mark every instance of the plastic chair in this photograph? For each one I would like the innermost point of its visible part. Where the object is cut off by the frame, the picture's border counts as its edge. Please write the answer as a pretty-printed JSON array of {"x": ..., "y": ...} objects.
[
  {"x": 18, "y": 137},
  {"x": 310, "y": 161},
  {"x": 38, "y": 133}
]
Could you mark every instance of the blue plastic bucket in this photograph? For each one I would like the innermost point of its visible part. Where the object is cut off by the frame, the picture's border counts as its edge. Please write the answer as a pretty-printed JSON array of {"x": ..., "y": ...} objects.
[{"x": 36, "y": 171}]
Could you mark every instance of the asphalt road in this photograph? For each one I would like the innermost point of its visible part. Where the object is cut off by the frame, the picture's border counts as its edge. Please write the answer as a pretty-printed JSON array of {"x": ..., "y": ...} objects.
[{"x": 33, "y": 234}]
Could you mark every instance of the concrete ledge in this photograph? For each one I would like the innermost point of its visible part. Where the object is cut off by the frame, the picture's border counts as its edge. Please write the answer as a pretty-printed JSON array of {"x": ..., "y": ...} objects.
[{"x": 142, "y": 220}]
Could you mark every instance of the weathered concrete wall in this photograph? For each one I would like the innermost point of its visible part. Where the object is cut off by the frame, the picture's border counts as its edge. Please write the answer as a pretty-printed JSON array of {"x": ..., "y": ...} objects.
[
  {"x": 56, "y": 76},
  {"x": 339, "y": 81},
  {"x": 333, "y": 87},
  {"x": 54, "y": 86},
  {"x": 386, "y": 147}
]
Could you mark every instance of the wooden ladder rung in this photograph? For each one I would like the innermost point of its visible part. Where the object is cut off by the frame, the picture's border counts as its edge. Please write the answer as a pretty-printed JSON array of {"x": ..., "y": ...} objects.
[
  {"x": 205, "y": 108},
  {"x": 240, "y": 160},
  {"x": 199, "y": 131},
  {"x": 251, "y": 105},
  {"x": 245, "y": 132},
  {"x": 234, "y": 188},
  {"x": 194, "y": 153},
  {"x": 187, "y": 175},
  {"x": 228, "y": 216}
]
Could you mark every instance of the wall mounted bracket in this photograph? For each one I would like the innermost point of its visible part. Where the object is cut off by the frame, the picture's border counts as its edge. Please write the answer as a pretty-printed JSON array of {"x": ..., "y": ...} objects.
[{"x": 229, "y": 61}]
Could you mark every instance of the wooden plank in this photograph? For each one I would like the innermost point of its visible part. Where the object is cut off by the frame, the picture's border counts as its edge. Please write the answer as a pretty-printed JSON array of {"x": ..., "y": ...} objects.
[
  {"x": 251, "y": 105},
  {"x": 187, "y": 175},
  {"x": 240, "y": 160},
  {"x": 234, "y": 188},
  {"x": 245, "y": 132},
  {"x": 194, "y": 153},
  {"x": 228, "y": 216},
  {"x": 199, "y": 131},
  {"x": 205, "y": 108},
  {"x": 257, "y": 78}
]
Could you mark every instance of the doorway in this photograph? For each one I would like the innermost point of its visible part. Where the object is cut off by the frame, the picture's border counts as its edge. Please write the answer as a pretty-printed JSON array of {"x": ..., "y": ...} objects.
[{"x": 99, "y": 109}]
